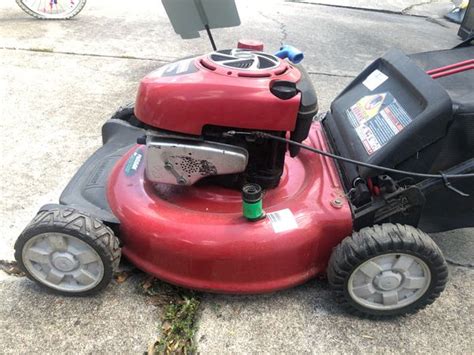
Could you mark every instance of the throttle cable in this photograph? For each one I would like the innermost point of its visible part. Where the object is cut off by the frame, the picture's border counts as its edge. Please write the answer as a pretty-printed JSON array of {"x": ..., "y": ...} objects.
[{"x": 260, "y": 134}]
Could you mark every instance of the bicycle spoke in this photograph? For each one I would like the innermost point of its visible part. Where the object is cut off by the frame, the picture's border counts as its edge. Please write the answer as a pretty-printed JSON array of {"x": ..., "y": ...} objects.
[{"x": 54, "y": 9}]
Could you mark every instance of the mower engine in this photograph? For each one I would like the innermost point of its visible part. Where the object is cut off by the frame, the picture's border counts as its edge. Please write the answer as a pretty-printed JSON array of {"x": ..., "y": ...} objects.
[{"x": 188, "y": 106}]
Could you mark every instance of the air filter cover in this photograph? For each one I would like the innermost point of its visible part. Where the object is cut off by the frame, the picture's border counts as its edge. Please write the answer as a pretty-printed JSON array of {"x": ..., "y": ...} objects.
[
  {"x": 245, "y": 63},
  {"x": 244, "y": 59}
]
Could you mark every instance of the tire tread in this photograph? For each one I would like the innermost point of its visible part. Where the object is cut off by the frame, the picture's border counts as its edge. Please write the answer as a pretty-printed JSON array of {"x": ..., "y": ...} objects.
[
  {"x": 376, "y": 240},
  {"x": 66, "y": 220}
]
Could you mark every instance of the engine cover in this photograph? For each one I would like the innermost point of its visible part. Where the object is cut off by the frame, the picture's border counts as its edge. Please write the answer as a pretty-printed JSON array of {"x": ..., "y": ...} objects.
[
  {"x": 184, "y": 162},
  {"x": 227, "y": 88},
  {"x": 199, "y": 99}
]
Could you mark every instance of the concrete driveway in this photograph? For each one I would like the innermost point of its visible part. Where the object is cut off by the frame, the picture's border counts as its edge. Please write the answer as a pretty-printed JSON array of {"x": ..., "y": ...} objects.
[{"x": 59, "y": 81}]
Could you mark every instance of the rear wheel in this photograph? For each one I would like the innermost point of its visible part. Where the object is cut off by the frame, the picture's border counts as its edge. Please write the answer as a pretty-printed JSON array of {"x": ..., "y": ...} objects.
[
  {"x": 387, "y": 270},
  {"x": 68, "y": 251}
]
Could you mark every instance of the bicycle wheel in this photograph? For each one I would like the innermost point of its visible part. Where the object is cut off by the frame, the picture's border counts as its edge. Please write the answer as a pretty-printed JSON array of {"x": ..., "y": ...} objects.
[{"x": 52, "y": 9}]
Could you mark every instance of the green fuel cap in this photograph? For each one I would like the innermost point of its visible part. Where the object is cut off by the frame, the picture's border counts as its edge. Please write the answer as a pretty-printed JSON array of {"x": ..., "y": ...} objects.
[{"x": 252, "y": 202}]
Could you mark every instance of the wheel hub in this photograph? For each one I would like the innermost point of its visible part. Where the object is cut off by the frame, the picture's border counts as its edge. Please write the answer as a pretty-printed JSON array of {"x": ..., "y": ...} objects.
[
  {"x": 388, "y": 280},
  {"x": 64, "y": 261}
]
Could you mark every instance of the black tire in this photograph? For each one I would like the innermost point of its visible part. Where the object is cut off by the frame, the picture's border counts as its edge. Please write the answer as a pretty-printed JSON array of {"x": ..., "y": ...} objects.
[
  {"x": 378, "y": 240},
  {"x": 40, "y": 16},
  {"x": 80, "y": 225}
]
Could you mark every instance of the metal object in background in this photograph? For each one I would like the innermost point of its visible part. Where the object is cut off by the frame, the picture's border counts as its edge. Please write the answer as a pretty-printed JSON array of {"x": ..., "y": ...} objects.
[
  {"x": 52, "y": 9},
  {"x": 457, "y": 13},
  {"x": 466, "y": 29},
  {"x": 188, "y": 17}
]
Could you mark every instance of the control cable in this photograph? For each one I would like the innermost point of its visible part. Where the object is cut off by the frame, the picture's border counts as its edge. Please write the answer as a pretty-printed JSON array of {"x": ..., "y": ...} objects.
[{"x": 259, "y": 134}]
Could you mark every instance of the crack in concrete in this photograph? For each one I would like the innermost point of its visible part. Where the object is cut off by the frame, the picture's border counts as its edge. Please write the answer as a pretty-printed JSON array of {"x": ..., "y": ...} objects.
[
  {"x": 97, "y": 55},
  {"x": 331, "y": 74},
  {"x": 162, "y": 60},
  {"x": 455, "y": 263},
  {"x": 437, "y": 22},
  {"x": 382, "y": 11},
  {"x": 281, "y": 27},
  {"x": 411, "y": 7},
  {"x": 403, "y": 12}
]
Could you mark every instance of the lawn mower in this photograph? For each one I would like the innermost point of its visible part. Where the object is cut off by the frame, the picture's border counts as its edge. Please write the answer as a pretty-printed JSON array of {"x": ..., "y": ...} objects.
[{"x": 222, "y": 177}]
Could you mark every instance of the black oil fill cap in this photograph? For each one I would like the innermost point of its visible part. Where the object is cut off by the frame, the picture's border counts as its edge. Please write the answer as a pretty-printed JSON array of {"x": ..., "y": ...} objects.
[{"x": 283, "y": 89}]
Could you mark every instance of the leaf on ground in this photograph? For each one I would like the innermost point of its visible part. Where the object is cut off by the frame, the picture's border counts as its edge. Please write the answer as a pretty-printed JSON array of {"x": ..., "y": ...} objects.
[
  {"x": 151, "y": 348},
  {"x": 148, "y": 283},
  {"x": 121, "y": 277},
  {"x": 11, "y": 268},
  {"x": 166, "y": 326}
]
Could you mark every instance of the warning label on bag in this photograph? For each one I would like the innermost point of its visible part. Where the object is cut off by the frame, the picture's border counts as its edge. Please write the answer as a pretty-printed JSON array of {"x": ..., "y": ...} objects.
[{"x": 377, "y": 119}]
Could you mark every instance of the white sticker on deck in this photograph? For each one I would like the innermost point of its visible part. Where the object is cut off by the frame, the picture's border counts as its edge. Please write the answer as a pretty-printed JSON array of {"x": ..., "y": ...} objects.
[
  {"x": 374, "y": 80},
  {"x": 283, "y": 220}
]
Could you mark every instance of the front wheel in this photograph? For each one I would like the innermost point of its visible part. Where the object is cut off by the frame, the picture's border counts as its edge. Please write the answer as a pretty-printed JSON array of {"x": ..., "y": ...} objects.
[
  {"x": 52, "y": 9},
  {"x": 68, "y": 251},
  {"x": 387, "y": 270}
]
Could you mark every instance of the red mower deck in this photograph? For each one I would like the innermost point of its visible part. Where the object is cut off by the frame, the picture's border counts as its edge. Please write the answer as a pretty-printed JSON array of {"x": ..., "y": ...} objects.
[{"x": 197, "y": 237}]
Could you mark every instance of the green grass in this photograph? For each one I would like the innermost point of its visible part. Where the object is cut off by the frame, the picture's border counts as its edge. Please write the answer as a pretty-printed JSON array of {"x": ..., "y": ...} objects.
[{"x": 178, "y": 320}]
